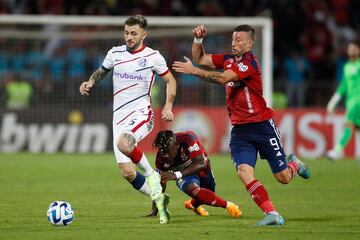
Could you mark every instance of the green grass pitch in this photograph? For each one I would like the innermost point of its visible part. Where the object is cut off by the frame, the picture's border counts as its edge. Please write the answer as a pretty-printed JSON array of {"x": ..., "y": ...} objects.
[{"x": 327, "y": 206}]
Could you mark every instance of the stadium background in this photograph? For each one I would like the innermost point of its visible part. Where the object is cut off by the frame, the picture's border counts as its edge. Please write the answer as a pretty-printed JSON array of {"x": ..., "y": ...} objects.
[{"x": 309, "y": 52}]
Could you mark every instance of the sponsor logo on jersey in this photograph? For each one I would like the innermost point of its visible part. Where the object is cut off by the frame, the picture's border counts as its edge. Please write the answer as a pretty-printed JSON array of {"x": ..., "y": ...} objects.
[
  {"x": 142, "y": 62},
  {"x": 129, "y": 76},
  {"x": 234, "y": 84},
  {"x": 242, "y": 67},
  {"x": 228, "y": 66},
  {"x": 194, "y": 148}
]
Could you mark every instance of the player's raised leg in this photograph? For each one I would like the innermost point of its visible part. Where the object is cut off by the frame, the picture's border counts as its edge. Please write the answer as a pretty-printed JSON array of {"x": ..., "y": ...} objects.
[{"x": 298, "y": 166}]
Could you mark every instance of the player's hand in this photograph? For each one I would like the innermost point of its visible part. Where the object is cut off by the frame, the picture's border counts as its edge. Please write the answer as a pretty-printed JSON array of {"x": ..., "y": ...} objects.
[
  {"x": 85, "y": 87},
  {"x": 183, "y": 67},
  {"x": 335, "y": 99},
  {"x": 200, "y": 31},
  {"x": 330, "y": 109},
  {"x": 166, "y": 114},
  {"x": 166, "y": 176}
]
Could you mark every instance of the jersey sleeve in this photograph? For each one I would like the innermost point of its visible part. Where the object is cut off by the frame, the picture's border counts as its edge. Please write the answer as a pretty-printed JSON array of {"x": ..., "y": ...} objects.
[
  {"x": 342, "y": 87},
  {"x": 218, "y": 60},
  {"x": 244, "y": 69},
  {"x": 195, "y": 149},
  {"x": 160, "y": 66},
  {"x": 108, "y": 62}
]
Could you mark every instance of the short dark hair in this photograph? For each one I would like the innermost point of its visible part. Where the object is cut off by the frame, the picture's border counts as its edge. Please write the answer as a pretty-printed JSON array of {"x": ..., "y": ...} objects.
[
  {"x": 162, "y": 140},
  {"x": 246, "y": 28},
  {"x": 356, "y": 42},
  {"x": 137, "y": 19}
]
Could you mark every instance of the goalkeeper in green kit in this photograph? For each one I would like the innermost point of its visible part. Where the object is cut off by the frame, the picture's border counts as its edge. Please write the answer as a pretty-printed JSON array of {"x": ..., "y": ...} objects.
[{"x": 349, "y": 88}]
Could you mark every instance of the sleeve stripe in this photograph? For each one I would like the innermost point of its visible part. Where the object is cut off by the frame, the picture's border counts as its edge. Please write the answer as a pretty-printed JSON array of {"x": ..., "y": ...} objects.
[
  {"x": 164, "y": 73},
  {"x": 105, "y": 69}
]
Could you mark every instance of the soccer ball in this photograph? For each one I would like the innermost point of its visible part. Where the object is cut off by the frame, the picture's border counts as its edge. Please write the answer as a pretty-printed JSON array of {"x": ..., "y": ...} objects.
[{"x": 60, "y": 213}]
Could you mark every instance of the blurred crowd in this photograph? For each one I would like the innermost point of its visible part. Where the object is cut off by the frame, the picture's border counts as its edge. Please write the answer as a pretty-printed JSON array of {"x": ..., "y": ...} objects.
[{"x": 310, "y": 37}]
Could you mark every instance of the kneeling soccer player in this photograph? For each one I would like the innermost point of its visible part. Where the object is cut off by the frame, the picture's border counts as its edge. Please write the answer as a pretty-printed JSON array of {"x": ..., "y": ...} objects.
[{"x": 182, "y": 157}]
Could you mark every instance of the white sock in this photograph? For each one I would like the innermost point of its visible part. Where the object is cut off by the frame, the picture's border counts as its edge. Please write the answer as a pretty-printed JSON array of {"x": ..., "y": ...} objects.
[
  {"x": 274, "y": 212},
  {"x": 145, "y": 189},
  {"x": 144, "y": 165}
]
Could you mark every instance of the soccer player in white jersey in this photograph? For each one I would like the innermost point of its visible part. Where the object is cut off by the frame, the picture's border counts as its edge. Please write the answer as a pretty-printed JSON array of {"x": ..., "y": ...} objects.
[{"x": 134, "y": 66}]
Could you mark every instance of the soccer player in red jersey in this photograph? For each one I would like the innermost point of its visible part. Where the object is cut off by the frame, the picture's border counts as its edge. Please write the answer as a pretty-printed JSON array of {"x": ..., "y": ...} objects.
[
  {"x": 254, "y": 131},
  {"x": 182, "y": 157}
]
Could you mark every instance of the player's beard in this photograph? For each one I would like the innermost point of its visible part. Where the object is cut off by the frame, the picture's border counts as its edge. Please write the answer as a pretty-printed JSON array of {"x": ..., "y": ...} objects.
[
  {"x": 135, "y": 46},
  {"x": 237, "y": 53}
]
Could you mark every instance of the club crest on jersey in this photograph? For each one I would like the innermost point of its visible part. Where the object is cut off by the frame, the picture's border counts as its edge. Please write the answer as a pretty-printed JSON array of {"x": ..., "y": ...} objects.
[
  {"x": 142, "y": 62},
  {"x": 242, "y": 67},
  {"x": 194, "y": 148}
]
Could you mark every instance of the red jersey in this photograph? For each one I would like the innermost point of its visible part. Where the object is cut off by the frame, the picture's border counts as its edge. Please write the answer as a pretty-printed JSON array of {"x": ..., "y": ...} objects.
[
  {"x": 190, "y": 147},
  {"x": 244, "y": 99}
]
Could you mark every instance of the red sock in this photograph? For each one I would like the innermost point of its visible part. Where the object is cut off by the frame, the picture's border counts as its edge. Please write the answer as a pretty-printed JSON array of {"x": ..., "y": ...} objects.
[
  {"x": 205, "y": 196},
  {"x": 260, "y": 196},
  {"x": 293, "y": 167},
  {"x": 136, "y": 155}
]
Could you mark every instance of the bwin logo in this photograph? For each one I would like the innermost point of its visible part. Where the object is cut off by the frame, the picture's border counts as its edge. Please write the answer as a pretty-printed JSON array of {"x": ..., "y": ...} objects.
[{"x": 129, "y": 76}]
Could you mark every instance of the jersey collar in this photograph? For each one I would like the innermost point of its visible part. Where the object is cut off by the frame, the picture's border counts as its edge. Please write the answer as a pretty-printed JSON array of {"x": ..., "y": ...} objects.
[
  {"x": 245, "y": 55},
  {"x": 137, "y": 51}
]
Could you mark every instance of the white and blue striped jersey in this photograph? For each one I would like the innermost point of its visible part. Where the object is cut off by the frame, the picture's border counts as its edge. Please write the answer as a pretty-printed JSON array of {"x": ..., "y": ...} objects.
[{"x": 133, "y": 77}]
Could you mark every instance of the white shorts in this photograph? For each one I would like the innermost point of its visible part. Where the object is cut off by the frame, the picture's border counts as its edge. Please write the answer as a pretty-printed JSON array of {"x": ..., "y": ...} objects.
[{"x": 138, "y": 123}]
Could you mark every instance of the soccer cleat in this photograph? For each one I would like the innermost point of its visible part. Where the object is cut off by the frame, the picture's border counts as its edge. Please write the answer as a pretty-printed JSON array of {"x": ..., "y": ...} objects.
[
  {"x": 161, "y": 203},
  {"x": 271, "y": 219},
  {"x": 153, "y": 181},
  {"x": 233, "y": 209},
  {"x": 303, "y": 170},
  {"x": 199, "y": 210},
  {"x": 334, "y": 154}
]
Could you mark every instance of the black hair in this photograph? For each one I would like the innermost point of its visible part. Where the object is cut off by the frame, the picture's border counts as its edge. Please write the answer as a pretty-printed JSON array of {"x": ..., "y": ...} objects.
[
  {"x": 162, "y": 140},
  {"x": 246, "y": 28},
  {"x": 356, "y": 41},
  {"x": 137, "y": 19}
]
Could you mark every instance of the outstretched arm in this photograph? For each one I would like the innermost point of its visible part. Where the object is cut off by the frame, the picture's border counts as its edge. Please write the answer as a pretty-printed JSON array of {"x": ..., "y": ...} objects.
[
  {"x": 335, "y": 99},
  {"x": 211, "y": 76},
  {"x": 197, "y": 50},
  {"x": 198, "y": 164},
  {"x": 98, "y": 75},
  {"x": 166, "y": 112}
]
